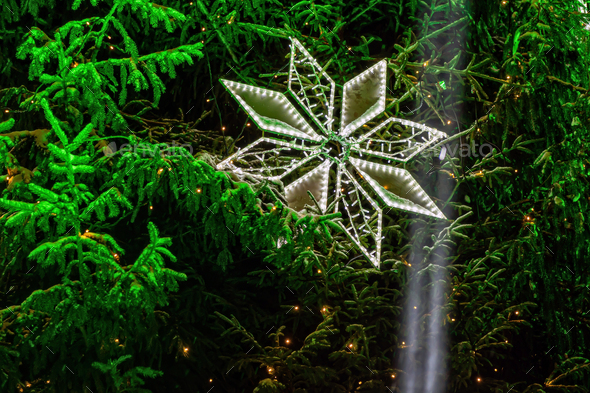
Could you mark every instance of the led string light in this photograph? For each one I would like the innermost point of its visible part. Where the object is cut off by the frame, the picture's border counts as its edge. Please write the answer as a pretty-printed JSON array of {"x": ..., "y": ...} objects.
[
  {"x": 288, "y": 124},
  {"x": 303, "y": 130},
  {"x": 377, "y": 108},
  {"x": 294, "y": 75}
]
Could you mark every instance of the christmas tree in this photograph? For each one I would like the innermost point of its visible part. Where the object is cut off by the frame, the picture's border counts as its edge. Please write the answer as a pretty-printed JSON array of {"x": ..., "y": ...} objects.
[{"x": 258, "y": 196}]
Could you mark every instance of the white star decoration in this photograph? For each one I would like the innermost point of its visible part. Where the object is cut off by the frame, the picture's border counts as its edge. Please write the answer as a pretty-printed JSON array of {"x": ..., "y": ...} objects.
[{"x": 361, "y": 184}]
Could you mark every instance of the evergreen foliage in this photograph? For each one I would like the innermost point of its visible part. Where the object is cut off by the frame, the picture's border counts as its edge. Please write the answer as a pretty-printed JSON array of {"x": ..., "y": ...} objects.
[{"x": 143, "y": 269}]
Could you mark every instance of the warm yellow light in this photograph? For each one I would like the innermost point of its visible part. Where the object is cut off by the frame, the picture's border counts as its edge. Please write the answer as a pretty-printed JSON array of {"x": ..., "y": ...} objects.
[
  {"x": 415, "y": 307},
  {"x": 350, "y": 345},
  {"x": 506, "y": 340},
  {"x": 306, "y": 23},
  {"x": 324, "y": 309},
  {"x": 185, "y": 349},
  {"x": 274, "y": 208},
  {"x": 516, "y": 313},
  {"x": 453, "y": 319},
  {"x": 516, "y": 170},
  {"x": 248, "y": 124},
  {"x": 403, "y": 343},
  {"x": 392, "y": 375},
  {"x": 287, "y": 341},
  {"x": 151, "y": 207},
  {"x": 417, "y": 72},
  {"x": 208, "y": 100},
  {"x": 112, "y": 48},
  {"x": 109, "y": 37},
  {"x": 160, "y": 170},
  {"x": 478, "y": 379},
  {"x": 349, "y": 48},
  {"x": 319, "y": 271},
  {"x": 229, "y": 23},
  {"x": 88, "y": 23},
  {"x": 198, "y": 190},
  {"x": 508, "y": 77},
  {"x": 48, "y": 381},
  {"x": 223, "y": 128},
  {"x": 448, "y": 122},
  {"x": 6, "y": 111},
  {"x": 210, "y": 380},
  {"x": 296, "y": 307},
  {"x": 429, "y": 96},
  {"x": 495, "y": 369},
  {"x": 116, "y": 340}
]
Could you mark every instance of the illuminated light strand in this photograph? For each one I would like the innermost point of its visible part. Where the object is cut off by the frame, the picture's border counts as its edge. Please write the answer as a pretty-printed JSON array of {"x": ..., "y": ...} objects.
[{"x": 291, "y": 125}]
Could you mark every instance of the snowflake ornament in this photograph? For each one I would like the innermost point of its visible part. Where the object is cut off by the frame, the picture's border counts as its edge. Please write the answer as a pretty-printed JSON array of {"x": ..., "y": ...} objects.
[{"x": 354, "y": 157}]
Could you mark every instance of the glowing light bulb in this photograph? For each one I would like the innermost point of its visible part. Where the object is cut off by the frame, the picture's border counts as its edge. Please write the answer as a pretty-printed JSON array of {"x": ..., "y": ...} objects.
[
  {"x": 392, "y": 375},
  {"x": 116, "y": 340},
  {"x": 109, "y": 36},
  {"x": 88, "y": 23},
  {"x": 495, "y": 369},
  {"x": 415, "y": 307},
  {"x": 478, "y": 379},
  {"x": 453, "y": 319},
  {"x": 324, "y": 309},
  {"x": 210, "y": 380},
  {"x": 6, "y": 111},
  {"x": 296, "y": 307},
  {"x": 287, "y": 341},
  {"x": 350, "y": 345},
  {"x": 202, "y": 29},
  {"x": 274, "y": 208},
  {"x": 223, "y": 128},
  {"x": 319, "y": 271},
  {"x": 448, "y": 122},
  {"x": 248, "y": 124},
  {"x": 112, "y": 48},
  {"x": 516, "y": 313},
  {"x": 403, "y": 343},
  {"x": 185, "y": 349},
  {"x": 198, "y": 190},
  {"x": 151, "y": 207},
  {"x": 208, "y": 100}
]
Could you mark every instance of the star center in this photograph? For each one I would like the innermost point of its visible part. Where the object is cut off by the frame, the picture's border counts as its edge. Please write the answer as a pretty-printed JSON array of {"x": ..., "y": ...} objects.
[{"x": 340, "y": 147}]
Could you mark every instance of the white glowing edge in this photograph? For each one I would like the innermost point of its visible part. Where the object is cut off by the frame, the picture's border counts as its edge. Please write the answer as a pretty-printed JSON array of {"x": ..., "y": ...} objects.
[
  {"x": 381, "y": 68},
  {"x": 227, "y": 162},
  {"x": 292, "y": 70},
  {"x": 438, "y": 135},
  {"x": 375, "y": 260},
  {"x": 430, "y": 210},
  {"x": 324, "y": 170},
  {"x": 307, "y": 132}
]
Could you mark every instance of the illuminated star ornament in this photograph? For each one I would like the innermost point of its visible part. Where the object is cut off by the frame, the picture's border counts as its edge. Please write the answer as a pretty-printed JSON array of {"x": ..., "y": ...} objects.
[{"x": 355, "y": 159}]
